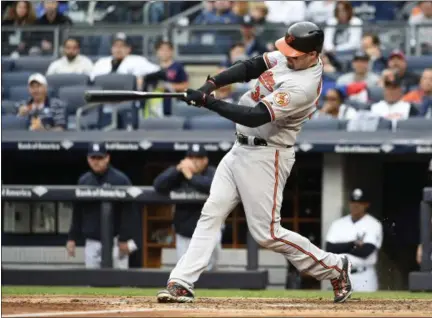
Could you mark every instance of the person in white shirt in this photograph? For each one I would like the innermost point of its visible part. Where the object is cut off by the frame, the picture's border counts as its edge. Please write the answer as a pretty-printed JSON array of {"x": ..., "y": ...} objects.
[
  {"x": 320, "y": 11},
  {"x": 424, "y": 22},
  {"x": 286, "y": 12},
  {"x": 123, "y": 62},
  {"x": 72, "y": 61},
  {"x": 358, "y": 236},
  {"x": 334, "y": 106},
  {"x": 343, "y": 31},
  {"x": 361, "y": 72},
  {"x": 392, "y": 107}
]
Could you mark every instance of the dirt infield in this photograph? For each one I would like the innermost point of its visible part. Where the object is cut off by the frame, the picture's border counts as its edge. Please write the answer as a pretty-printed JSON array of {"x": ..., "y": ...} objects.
[{"x": 88, "y": 306}]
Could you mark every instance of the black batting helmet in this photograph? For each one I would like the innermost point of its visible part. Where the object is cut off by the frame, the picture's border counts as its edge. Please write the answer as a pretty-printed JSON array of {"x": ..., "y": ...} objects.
[{"x": 301, "y": 38}]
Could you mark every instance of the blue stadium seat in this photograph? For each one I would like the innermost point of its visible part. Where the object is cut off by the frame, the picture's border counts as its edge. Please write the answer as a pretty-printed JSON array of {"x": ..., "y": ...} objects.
[
  {"x": 419, "y": 63},
  {"x": 209, "y": 122},
  {"x": 415, "y": 123},
  {"x": 116, "y": 81},
  {"x": 34, "y": 64},
  {"x": 322, "y": 124},
  {"x": 73, "y": 96},
  {"x": 56, "y": 81},
  {"x": 8, "y": 107},
  {"x": 375, "y": 93},
  {"x": 164, "y": 123},
  {"x": 190, "y": 111},
  {"x": 19, "y": 93},
  {"x": 12, "y": 79},
  {"x": 6, "y": 65},
  {"x": 384, "y": 124},
  {"x": 12, "y": 122}
]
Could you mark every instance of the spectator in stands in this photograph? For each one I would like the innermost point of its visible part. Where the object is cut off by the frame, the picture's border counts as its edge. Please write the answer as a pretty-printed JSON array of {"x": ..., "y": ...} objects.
[
  {"x": 361, "y": 73},
  {"x": 372, "y": 11},
  {"x": 392, "y": 107},
  {"x": 123, "y": 62},
  {"x": 334, "y": 106},
  {"x": 286, "y": 12},
  {"x": 220, "y": 13},
  {"x": 52, "y": 17},
  {"x": 236, "y": 53},
  {"x": 424, "y": 34},
  {"x": 331, "y": 63},
  {"x": 359, "y": 236},
  {"x": 86, "y": 218},
  {"x": 398, "y": 67},
  {"x": 371, "y": 44},
  {"x": 172, "y": 75},
  {"x": 240, "y": 8},
  {"x": 20, "y": 13},
  {"x": 42, "y": 112},
  {"x": 320, "y": 11},
  {"x": 423, "y": 95},
  {"x": 249, "y": 38},
  {"x": 258, "y": 12},
  {"x": 192, "y": 174},
  {"x": 63, "y": 7},
  {"x": 344, "y": 30},
  {"x": 72, "y": 61}
]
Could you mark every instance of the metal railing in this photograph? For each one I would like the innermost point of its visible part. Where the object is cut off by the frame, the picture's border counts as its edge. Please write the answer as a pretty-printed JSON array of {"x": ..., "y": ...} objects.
[{"x": 393, "y": 34}]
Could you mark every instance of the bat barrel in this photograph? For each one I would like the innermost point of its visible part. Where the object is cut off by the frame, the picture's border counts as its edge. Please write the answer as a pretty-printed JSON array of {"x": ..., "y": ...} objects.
[{"x": 118, "y": 96}]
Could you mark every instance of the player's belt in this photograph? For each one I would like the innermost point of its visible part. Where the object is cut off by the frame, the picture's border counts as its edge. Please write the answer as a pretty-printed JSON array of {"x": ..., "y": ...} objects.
[
  {"x": 252, "y": 141},
  {"x": 355, "y": 270}
]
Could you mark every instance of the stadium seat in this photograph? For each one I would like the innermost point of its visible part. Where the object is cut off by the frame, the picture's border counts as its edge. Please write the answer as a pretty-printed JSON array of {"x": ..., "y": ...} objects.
[
  {"x": 12, "y": 79},
  {"x": 12, "y": 122},
  {"x": 384, "y": 124},
  {"x": 18, "y": 93},
  {"x": 6, "y": 65},
  {"x": 415, "y": 123},
  {"x": 164, "y": 123},
  {"x": 321, "y": 124},
  {"x": 34, "y": 64},
  {"x": 8, "y": 107},
  {"x": 190, "y": 111},
  {"x": 116, "y": 81},
  {"x": 208, "y": 122},
  {"x": 418, "y": 63},
  {"x": 375, "y": 94},
  {"x": 73, "y": 96},
  {"x": 56, "y": 81}
]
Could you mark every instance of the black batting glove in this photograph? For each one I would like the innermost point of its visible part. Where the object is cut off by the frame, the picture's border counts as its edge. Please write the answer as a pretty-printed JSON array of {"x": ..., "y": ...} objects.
[
  {"x": 195, "y": 98},
  {"x": 209, "y": 86}
]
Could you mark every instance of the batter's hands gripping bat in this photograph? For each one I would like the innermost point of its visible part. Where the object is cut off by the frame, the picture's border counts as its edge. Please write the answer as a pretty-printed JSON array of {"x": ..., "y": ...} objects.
[{"x": 110, "y": 96}]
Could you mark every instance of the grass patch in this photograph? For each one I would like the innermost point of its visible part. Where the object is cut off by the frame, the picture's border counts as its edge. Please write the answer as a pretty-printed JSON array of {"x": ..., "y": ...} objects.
[{"x": 272, "y": 293}]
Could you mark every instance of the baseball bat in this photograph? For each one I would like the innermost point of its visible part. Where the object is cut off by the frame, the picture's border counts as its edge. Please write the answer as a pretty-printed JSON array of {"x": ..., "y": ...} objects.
[{"x": 117, "y": 96}]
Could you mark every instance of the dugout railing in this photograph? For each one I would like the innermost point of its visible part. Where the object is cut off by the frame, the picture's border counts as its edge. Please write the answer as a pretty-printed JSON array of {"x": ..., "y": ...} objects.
[
  {"x": 250, "y": 278},
  {"x": 422, "y": 280}
]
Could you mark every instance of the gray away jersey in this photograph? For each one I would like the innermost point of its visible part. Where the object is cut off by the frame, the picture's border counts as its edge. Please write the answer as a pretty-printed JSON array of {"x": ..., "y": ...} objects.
[{"x": 290, "y": 96}]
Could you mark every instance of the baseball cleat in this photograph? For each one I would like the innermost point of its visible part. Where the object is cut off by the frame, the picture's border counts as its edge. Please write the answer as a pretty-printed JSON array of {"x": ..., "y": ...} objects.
[
  {"x": 342, "y": 287},
  {"x": 176, "y": 293}
]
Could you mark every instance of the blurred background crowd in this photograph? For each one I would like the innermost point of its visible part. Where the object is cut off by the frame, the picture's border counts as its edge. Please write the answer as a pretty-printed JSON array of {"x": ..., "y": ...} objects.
[{"x": 376, "y": 57}]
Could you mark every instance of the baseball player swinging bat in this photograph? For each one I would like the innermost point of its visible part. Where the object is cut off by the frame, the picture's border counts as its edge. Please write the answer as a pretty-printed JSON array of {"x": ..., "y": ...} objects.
[
  {"x": 284, "y": 95},
  {"x": 118, "y": 96}
]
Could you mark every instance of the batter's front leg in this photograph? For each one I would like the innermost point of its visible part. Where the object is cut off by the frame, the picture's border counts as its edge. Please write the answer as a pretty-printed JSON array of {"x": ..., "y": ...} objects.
[
  {"x": 261, "y": 193},
  {"x": 222, "y": 200}
]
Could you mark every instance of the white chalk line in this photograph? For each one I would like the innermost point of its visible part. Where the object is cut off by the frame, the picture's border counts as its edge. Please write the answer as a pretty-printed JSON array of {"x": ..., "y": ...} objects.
[
  {"x": 89, "y": 312},
  {"x": 121, "y": 311}
]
